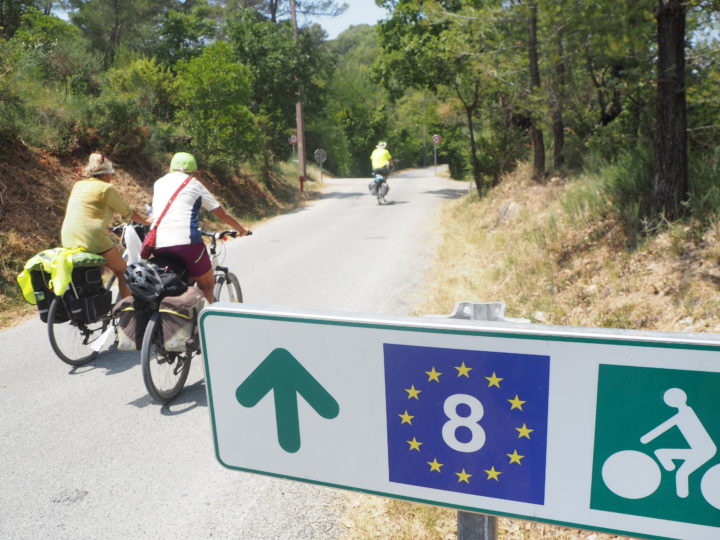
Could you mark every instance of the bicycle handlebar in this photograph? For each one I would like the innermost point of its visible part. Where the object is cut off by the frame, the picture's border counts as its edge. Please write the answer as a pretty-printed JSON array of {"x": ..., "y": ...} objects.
[
  {"x": 118, "y": 229},
  {"x": 223, "y": 234}
]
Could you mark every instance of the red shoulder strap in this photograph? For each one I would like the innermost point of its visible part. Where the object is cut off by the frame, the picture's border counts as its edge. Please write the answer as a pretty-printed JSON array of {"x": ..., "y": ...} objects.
[{"x": 178, "y": 190}]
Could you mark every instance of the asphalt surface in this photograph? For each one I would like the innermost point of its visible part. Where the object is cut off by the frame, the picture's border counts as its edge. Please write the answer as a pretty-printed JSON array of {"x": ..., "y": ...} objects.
[{"x": 85, "y": 453}]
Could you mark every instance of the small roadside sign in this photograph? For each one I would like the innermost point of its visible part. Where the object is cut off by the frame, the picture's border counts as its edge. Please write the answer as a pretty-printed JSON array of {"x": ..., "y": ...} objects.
[
  {"x": 320, "y": 156},
  {"x": 594, "y": 428},
  {"x": 293, "y": 139},
  {"x": 436, "y": 139}
]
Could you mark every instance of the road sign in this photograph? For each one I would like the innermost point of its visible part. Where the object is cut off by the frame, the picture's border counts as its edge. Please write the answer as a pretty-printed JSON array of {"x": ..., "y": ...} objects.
[
  {"x": 320, "y": 156},
  {"x": 293, "y": 140},
  {"x": 436, "y": 139},
  {"x": 599, "y": 429}
]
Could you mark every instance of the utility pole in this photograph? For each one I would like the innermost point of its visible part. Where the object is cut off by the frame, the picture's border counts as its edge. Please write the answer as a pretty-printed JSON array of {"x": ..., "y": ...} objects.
[{"x": 299, "y": 110}]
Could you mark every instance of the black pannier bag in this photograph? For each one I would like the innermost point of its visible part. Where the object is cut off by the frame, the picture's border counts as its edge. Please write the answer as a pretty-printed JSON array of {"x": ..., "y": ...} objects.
[
  {"x": 89, "y": 308},
  {"x": 172, "y": 272},
  {"x": 87, "y": 281},
  {"x": 44, "y": 295},
  {"x": 86, "y": 297}
]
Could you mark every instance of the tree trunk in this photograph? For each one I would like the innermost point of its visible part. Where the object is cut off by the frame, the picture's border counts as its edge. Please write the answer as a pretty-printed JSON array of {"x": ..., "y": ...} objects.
[
  {"x": 470, "y": 107},
  {"x": 473, "y": 151},
  {"x": 536, "y": 134},
  {"x": 670, "y": 185},
  {"x": 558, "y": 124}
]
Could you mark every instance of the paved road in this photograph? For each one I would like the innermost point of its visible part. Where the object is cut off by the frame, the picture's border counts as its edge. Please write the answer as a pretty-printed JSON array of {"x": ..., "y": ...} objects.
[{"x": 84, "y": 453}]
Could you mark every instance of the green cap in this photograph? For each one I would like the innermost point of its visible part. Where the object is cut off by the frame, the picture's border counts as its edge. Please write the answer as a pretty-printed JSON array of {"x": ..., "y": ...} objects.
[{"x": 182, "y": 161}]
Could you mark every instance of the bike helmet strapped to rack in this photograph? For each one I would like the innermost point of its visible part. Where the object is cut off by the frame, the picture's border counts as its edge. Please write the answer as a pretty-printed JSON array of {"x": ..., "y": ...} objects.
[{"x": 144, "y": 281}]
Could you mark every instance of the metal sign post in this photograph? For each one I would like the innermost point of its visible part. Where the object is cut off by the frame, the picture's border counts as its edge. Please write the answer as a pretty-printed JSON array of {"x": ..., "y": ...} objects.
[
  {"x": 299, "y": 118},
  {"x": 320, "y": 157},
  {"x": 293, "y": 140},
  {"x": 472, "y": 526},
  {"x": 601, "y": 429},
  {"x": 436, "y": 140}
]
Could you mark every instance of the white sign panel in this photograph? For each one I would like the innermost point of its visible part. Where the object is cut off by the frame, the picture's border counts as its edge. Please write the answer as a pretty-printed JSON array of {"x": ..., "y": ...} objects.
[{"x": 599, "y": 429}]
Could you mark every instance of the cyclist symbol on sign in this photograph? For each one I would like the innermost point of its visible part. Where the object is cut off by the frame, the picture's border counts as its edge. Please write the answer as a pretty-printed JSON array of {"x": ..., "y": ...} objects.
[
  {"x": 635, "y": 475},
  {"x": 702, "y": 448}
]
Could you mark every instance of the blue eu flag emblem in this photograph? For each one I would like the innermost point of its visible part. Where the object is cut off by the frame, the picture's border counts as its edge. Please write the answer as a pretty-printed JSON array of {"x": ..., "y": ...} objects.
[{"x": 468, "y": 421}]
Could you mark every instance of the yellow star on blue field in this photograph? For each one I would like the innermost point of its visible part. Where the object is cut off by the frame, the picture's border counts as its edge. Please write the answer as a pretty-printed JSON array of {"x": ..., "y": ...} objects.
[
  {"x": 524, "y": 431},
  {"x": 434, "y": 465},
  {"x": 413, "y": 393},
  {"x": 515, "y": 457},
  {"x": 433, "y": 375},
  {"x": 463, "y": 371},
  {"x": 494, "y": 380},
  {"x": 414, "y": 444},
  {"x": 463, "y": 476},
  {"x": 492, "y": 473},
  {"x": 406, "y": 418},
  {"x": 516, "y": 403}
]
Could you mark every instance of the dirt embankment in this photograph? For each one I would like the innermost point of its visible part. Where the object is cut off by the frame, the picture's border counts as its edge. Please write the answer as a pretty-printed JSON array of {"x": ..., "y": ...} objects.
[{"x": 34, "y": 187}]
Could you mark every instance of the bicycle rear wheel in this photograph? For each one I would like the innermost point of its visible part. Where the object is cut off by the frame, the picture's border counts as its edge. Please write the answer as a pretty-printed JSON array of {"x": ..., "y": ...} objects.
[
  {"x": 72, "y": 341},
  {"x": 227, "y": 288},
  {"x": 164, "y": 373}
]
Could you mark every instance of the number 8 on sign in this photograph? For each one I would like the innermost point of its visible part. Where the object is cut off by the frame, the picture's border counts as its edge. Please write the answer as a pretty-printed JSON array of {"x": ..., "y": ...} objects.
[{"x": 455, "y": 421}]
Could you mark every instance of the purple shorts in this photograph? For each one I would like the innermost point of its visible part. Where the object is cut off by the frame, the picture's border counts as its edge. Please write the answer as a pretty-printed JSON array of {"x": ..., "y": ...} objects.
[{"x": 195, "y": 256}]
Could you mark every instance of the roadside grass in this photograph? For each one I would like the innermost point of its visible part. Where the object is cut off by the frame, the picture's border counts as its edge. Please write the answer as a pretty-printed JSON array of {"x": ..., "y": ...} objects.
[{"x": 555, "y": 254}]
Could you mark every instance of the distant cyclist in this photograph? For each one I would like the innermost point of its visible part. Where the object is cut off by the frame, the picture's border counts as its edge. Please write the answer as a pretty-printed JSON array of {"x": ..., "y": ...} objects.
[
  {"x": 381, "y": 160},
  {"x": 179, "y": 233}
]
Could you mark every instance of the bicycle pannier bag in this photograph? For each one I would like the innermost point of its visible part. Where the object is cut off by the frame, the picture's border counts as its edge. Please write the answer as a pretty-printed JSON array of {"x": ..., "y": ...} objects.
[
  {"x": 44, "y": 295},
  {"x": 89, "y": 308},
  {"x": 172, "y": 273},
  {"x": 86, "y": 297},
  {"x": 372, "y": 186},
  {"x": 178, "y": 315},
  {"x": 130, "y": 328},
  {"x": 87, "y": 281}
]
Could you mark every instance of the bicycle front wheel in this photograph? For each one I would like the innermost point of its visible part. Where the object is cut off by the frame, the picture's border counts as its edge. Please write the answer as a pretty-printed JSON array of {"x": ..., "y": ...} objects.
[
  {"x": 71, "y": 341},
  {"x": 164, "y": 373},
  {"x": 227, "y": 288}
]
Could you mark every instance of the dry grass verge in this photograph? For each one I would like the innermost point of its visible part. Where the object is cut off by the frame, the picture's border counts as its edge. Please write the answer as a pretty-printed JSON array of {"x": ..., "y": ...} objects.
[{"x": 552, "y": 255}]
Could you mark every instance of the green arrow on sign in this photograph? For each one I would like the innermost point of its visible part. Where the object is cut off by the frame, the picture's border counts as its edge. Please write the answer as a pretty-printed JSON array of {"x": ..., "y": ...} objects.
[{"x": 286, "y": 377}]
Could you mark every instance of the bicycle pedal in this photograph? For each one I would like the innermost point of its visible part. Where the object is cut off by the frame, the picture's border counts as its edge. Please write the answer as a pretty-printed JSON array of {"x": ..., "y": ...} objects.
[{"x": 193, "y": 344}]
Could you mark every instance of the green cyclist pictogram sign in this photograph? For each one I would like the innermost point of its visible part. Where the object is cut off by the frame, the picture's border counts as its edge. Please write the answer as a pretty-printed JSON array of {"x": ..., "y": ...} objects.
[{"x": 656, "y": 444}]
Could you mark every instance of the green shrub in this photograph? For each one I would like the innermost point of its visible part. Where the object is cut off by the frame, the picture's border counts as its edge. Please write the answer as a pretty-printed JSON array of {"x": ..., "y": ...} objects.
[
  {"x": 586, "y": 200},
  {"x": 213, "y": 98},
  {"x": 113, "y": 123},
  {"x": 147, "y": 83},
  {"x": 704, "y": 199},
  {"x": 629, "y": 187},
  {"x": 11, "y": 111}
]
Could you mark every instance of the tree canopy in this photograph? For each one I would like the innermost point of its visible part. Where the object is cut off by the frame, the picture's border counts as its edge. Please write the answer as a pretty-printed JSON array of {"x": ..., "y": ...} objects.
[{"x": 596, "y": 85}]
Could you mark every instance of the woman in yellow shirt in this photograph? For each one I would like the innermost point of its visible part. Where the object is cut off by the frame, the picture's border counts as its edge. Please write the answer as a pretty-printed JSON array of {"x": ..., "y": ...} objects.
[{"x": 90, "y": 208}]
